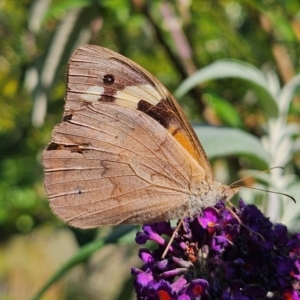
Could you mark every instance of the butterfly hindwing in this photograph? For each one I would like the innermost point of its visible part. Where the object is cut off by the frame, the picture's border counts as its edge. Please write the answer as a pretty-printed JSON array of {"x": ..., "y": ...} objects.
[{"x": 109, "y": 164}]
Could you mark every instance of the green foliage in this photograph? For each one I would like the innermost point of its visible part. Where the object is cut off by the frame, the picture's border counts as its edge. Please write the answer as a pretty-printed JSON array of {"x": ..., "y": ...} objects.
[
  {"x": 233, "y": 65},
  {"x": 229, "y": 68}
]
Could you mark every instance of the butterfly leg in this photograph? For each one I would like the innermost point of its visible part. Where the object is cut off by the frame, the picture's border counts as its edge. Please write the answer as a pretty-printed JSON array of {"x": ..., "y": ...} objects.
[{"x": 172, "y": 237}]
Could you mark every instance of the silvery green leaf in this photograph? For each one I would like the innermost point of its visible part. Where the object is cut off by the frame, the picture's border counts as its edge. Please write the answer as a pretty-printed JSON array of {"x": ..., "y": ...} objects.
[
  {"x": 229, "y": 68},
  {"x": 219, "y": 142}
]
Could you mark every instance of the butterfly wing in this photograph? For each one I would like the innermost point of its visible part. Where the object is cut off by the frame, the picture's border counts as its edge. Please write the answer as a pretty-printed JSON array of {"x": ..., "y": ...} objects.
[
  {"x": 98, "y": 74},
  {"x": 108, "y": 164},
  {"x": 110, "y": 160}
]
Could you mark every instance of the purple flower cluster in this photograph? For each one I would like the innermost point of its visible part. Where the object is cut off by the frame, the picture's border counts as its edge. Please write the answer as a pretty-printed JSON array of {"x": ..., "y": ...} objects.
[{"x": 219, "y": 256}]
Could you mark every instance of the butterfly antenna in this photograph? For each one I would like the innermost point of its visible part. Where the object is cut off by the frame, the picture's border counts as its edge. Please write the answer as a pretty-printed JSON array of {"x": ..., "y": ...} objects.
[
  {"x": 250, "y": 176},
  {"x": 268, "y": 191},
  {"x": 172, "y": 238},
  {"x": 232, "y": 185}
]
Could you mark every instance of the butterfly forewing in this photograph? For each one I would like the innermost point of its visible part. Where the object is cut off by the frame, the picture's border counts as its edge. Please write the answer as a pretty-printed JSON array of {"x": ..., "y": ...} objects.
[{"x": 98, "y": 74}]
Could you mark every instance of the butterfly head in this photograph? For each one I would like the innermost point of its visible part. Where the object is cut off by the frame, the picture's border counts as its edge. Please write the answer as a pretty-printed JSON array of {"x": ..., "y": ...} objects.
[{"x": 228, "y": 192}]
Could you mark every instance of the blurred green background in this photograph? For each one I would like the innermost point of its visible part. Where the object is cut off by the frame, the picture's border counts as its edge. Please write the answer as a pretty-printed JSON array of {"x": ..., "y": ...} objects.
[{"x": 233, "y": 66}]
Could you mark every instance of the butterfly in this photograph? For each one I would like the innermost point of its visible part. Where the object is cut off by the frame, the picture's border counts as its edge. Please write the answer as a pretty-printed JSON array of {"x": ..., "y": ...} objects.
[{"x": 124, "y": 151}]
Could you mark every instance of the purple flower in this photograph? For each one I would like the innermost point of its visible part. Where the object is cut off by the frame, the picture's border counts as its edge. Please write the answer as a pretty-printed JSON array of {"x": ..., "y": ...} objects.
[{"x": 219, "y": 256}]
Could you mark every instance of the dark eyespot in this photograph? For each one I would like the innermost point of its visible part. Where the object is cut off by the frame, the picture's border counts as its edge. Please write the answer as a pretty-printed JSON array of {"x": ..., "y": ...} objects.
[
  {"x": 108, "y": 79},
  {"x": 67, "y": 117}
]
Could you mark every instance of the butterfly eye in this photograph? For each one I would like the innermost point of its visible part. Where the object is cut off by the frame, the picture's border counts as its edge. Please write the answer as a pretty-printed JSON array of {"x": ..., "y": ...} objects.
[{"x": 108, "y": 79}]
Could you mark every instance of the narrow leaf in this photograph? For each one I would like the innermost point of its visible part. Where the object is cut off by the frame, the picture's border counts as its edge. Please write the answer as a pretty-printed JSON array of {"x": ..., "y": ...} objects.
[
  {"x": 220, "y": 142},
  {"x": 228, "y": 68}
]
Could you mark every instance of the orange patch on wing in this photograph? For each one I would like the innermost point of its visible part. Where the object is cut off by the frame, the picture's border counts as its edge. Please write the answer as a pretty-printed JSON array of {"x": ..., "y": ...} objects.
[{"x": 183, "y": 139}]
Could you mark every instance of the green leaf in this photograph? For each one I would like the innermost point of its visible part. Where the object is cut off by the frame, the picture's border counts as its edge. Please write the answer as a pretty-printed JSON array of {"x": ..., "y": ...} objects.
[
  {"x": 291, "y": 211},
  {"x": 220, "y": 142},
  {"x": 223, "y": 110},
  {"x": 287, "y": 93},
  {"x": 226, "y": 68}
]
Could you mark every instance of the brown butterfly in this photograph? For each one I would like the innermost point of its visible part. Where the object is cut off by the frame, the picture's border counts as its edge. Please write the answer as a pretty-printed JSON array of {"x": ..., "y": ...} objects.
[{"x": 124, "y": 152}]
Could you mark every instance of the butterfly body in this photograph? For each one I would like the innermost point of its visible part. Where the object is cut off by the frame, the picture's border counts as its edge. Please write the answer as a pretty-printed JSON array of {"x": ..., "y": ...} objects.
[{"x": 124, "y": 152}]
